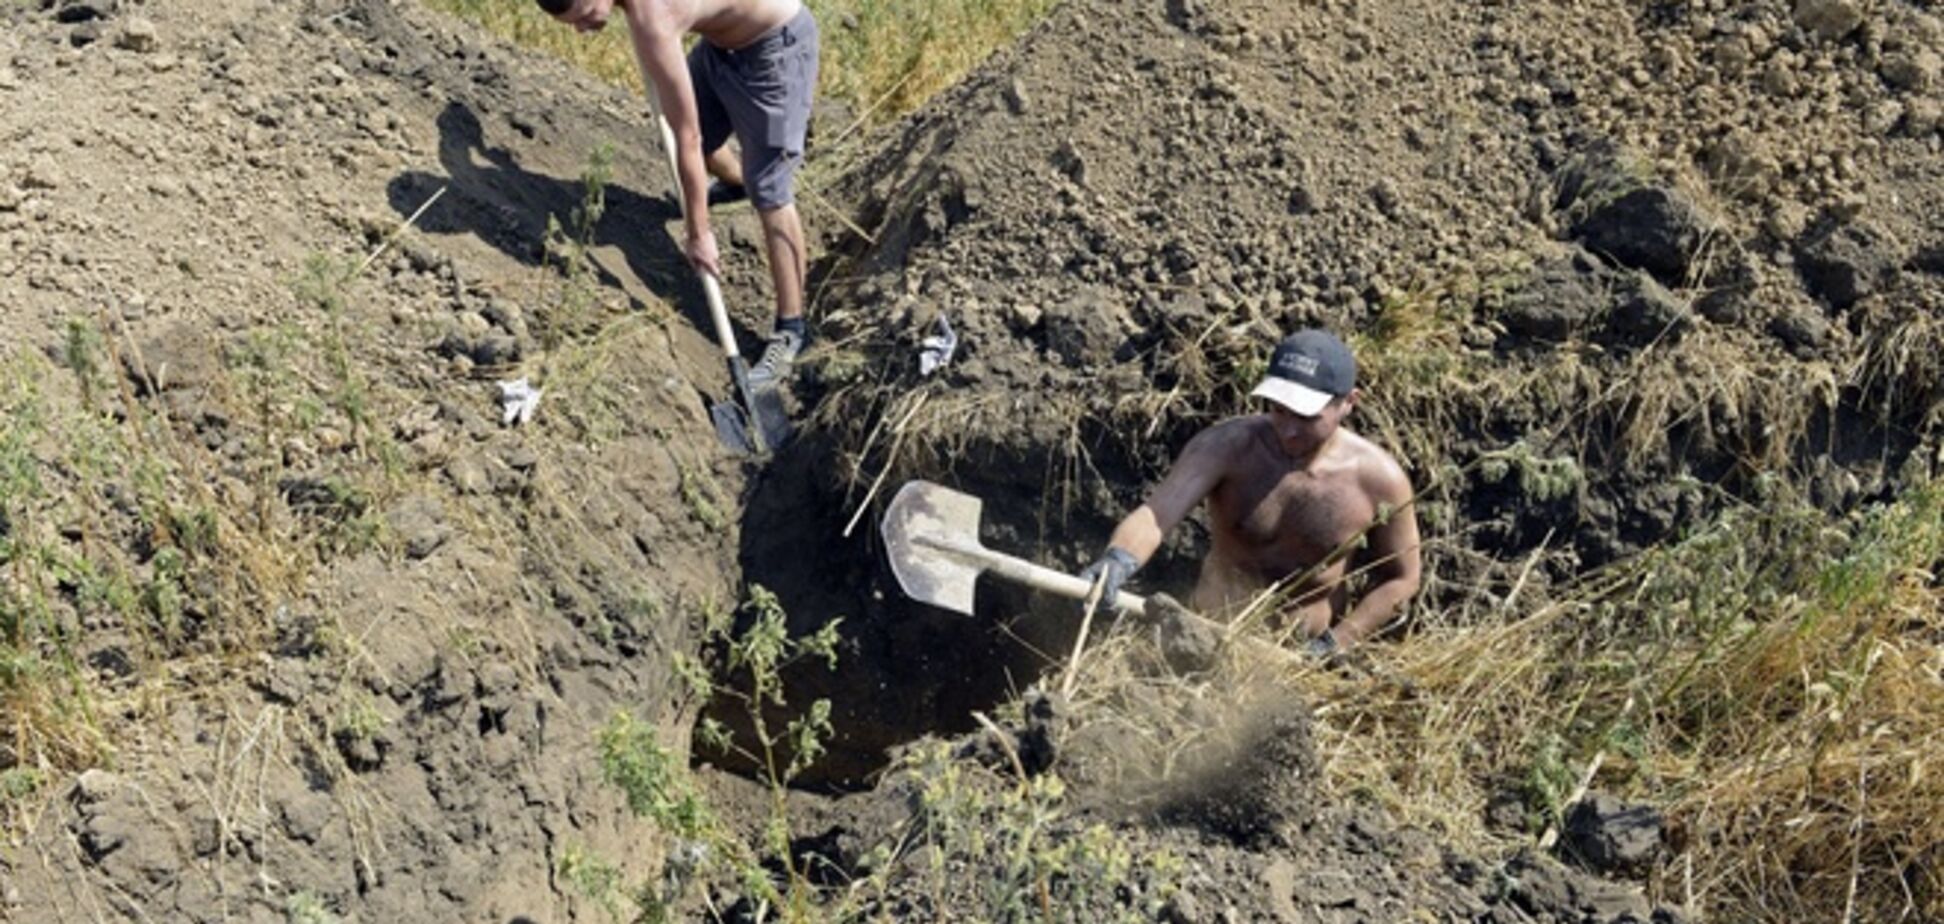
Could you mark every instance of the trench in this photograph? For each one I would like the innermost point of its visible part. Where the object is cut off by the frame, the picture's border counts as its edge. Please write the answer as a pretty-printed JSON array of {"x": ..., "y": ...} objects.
[{"x": 905, "y": 669}]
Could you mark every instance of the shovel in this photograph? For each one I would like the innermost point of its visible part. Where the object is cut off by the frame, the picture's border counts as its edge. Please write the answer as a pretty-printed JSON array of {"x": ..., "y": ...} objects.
[
  {"x": 754, "y": 421},
  {"x": 931, "y": 534}
]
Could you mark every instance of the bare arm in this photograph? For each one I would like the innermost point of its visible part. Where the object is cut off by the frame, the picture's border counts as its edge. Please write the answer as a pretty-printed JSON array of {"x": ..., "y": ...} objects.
[
  {"x": 1196, "y": 472},
  {"x": 1396, "y": 567},
  {"x": 657, "y": 40}
]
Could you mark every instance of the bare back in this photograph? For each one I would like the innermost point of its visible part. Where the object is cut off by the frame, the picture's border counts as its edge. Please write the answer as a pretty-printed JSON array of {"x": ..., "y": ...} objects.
[{"x": 729, "y": 24}]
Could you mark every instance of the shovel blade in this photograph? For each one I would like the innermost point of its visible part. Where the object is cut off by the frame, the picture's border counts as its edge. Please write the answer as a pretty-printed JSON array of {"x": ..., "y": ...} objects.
[
  {"x": 755, "y": 425},
  {"x": 732, "y": 427},
  {"x": 923, "y": 526}
]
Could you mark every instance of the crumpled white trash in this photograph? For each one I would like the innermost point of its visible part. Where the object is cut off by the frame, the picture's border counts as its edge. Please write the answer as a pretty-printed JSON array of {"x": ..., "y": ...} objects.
[
  {"x": 518, "y": 401},
  {"x": 937, "y": 350}
]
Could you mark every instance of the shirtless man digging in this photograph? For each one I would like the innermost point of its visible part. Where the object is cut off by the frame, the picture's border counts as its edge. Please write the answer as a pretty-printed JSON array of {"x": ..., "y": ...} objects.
[
  {"x": 751, "y": 75},
  {"x": 1285, "y": 489}
]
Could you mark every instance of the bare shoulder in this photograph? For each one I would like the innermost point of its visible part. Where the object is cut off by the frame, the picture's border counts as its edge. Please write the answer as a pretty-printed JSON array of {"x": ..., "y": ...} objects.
[
  {"x": 1219, "y": 445},
  {"x": 1226, "y": 437},
  {"x": 1378, "y": 471}
]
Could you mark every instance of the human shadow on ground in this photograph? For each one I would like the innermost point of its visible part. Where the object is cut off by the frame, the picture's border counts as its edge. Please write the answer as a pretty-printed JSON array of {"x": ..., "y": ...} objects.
[{"x": 490, "y": 195}]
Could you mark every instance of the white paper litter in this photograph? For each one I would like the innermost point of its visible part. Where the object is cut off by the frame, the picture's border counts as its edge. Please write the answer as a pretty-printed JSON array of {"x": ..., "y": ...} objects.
[
  {"x": 936, "y": 350},
  {"x": 518, "y": 401}
]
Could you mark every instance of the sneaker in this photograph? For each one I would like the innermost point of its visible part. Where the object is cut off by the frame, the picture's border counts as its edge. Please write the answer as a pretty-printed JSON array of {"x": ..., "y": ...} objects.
[
  {"x": 777, "y": 359},
  {"x": 721, "y": 193}
]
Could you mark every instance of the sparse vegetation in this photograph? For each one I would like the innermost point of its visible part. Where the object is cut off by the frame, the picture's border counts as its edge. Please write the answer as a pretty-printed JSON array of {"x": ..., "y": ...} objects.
[
  {"x": 881, "y": 58},
  {"x": 1772, "y": 677}
]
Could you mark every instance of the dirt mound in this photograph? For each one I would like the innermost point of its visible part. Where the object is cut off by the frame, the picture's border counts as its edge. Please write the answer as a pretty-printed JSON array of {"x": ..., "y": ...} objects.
[
  {"x": 1608, "y": 225},
  {"x": 352, "y": 636}
]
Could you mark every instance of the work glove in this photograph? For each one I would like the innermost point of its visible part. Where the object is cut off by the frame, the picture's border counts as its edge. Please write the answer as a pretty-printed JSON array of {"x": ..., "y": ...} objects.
[
  {"x": 1323, "y": 647},
  {"x": 1115, "y": 566}
]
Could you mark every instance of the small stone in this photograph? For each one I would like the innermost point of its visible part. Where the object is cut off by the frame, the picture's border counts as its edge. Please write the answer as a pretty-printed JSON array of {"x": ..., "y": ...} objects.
[
  {"x": 1025, "y": 316},
  {"x": 8, "y": 79},
  {"x": 163, "y": 63},
  {"x": 1829, "y": 20},
  {"x": 42, "y": 173},
  {"x": 523, "y": 458},
  {"x": 1803, "y": 331},
  {"x": 138, "y": 35},
  {"x": 95, "y": 785},
  {"x": 1911, "y": 71},
  {"x": 1786, "y": 220},
  {"x": 1015, "y": 97},
  {"x": 468, "y": 474},
  {"x": 419, "y": 525},
  {"x": 85, "y": 34},
  {"x": 1610, "y": 836},
  {"x": 1922, "y": 117},
  {"x": 1884, "y": 117}
]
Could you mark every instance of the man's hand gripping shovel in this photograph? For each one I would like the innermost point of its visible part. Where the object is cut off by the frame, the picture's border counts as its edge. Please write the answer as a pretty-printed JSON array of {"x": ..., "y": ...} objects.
[
  {"x": 931, "y": 535},
  {"x": 754, "y": 421}
]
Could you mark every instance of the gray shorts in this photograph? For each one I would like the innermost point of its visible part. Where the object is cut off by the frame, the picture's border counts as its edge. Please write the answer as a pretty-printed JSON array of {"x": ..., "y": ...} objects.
[{"x": 760, "y": 92}]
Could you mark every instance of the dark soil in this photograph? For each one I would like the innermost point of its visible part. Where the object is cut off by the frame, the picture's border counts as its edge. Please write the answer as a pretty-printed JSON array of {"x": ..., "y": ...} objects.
[{"x": 1585, "y": 252}]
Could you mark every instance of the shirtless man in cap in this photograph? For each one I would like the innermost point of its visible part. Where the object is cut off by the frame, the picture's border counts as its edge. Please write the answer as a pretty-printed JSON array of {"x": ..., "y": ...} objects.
[
  {"x": 752, "y": 75},
  {"x": 1285, "y": 489}
]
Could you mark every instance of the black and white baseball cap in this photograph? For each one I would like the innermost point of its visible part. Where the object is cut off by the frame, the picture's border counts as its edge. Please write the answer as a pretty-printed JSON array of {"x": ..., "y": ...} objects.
[{"x": 1309, "y": 369}]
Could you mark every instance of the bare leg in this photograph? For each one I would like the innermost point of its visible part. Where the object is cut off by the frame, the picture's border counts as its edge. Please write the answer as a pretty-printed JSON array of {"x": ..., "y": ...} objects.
[
  {"x": 724, "y": 166},
  {"x": 783, "y": 243}
]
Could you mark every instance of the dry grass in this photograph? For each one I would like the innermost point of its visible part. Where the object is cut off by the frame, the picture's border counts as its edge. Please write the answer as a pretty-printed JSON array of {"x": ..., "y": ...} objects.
[
  {"x": 881, "y": 58},
  {"x": 1773, "y": 681}
]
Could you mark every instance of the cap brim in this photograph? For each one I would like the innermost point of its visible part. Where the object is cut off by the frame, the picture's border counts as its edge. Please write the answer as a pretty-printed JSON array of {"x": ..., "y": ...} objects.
[{"x": 1305, "y": 401}]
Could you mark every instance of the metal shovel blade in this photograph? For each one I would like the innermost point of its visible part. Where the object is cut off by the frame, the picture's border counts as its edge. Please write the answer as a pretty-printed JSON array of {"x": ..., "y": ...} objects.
[
  {"x": 931, "y": 535},
  {"x": 757, "y": 424}
]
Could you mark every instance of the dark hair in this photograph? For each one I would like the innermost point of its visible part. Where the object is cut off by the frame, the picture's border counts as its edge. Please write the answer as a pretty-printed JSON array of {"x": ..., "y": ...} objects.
[{"x": 555, "y": 7}]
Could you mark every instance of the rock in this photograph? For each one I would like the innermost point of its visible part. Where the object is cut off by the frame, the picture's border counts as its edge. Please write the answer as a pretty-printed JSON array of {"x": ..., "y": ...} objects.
[
  {"x": 8, "y": 79},
  {"x": 419, "y": 524},
  {"x": 42, "y": 173},
  {"x": 1842, "y": 263},
  {"x": 1911, "y": 71},
  {"x": 85, "y": 34},
  {"x": 1562, "y": 295},
  {"x": 1015, "y": 97},
  {"x": 1024, "y": 316},
  {"x": 1183, "y": 908},
  {"x": 1829, "y": 20},
  {"x": 81, "y": 11},
  {"x": 138, "y": 35},
  {"x": 1645, "y": 311},
  {"x": 1608, "y": 836},
  {"x": 1649, "y": 228},
  {"x": 1922, "y": 117},
  {"x": 1189, "y": 646},
  {"x": 468, "y": 474},
  {"x": 495, "y": 349},
  {"x": 305, "y": 813},
  {"x": 1505, "y": 812},
  {"x": 1087, "y": 329},
  {"x": 95, "y": 785},
  {"x": 1786, "y": 220},
  {"x": 1802, "y": 330},
  {"x": 1549, "y": 891}
]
